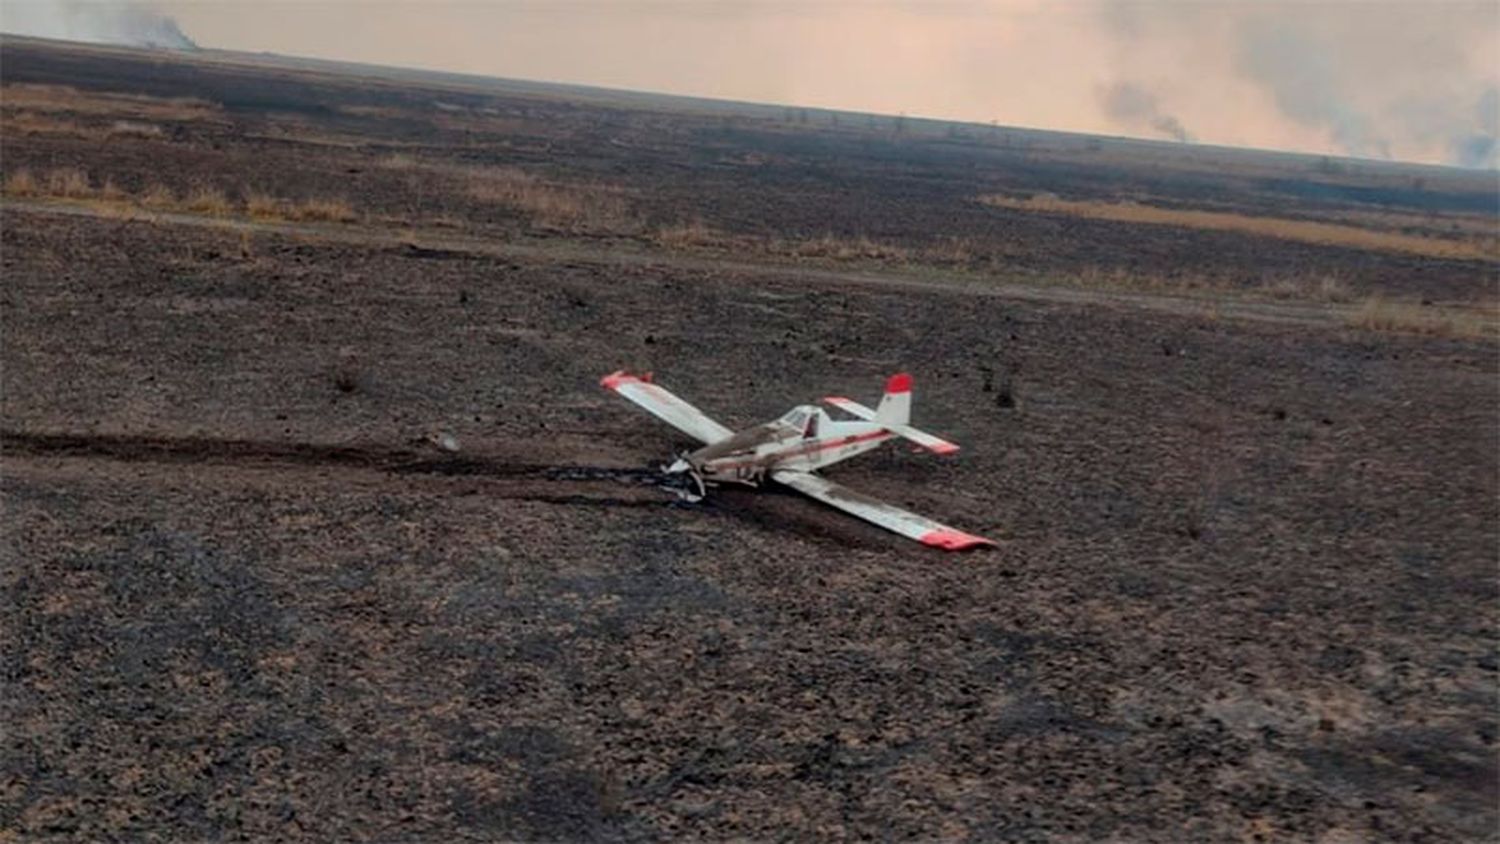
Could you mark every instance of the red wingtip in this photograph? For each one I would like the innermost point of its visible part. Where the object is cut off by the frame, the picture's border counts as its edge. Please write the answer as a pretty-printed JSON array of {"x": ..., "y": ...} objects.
[
  {"x": 953, "y": 540},
  {"x": 944, "y": 448},
  {"x": 613, "y": 380},
  {"x": 899, "y": 383}
]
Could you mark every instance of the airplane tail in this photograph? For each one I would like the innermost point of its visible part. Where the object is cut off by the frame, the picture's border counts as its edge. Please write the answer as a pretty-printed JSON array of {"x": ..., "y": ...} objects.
[
  {"x": 894, "y": 410},
  {"x": 894, "y": 413}
]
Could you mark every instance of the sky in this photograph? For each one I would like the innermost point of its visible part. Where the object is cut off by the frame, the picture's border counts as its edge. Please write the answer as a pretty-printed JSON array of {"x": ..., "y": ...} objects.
[{"x": 1412, "y": 80}]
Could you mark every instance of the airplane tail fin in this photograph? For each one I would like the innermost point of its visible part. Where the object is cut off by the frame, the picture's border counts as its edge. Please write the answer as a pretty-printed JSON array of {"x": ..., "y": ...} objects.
[
  {"x": 894, "y": 413},
  {"x": 894, "y": 410}
]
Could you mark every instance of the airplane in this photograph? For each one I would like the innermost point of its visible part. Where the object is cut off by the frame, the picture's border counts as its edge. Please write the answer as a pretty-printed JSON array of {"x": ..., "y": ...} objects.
[{"x": 790, "y": 449}]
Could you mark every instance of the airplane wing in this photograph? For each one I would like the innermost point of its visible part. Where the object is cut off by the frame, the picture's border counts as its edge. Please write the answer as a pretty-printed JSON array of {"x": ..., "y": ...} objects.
[
  {"x": 666, "y": 407},
  {"x": 906, "y": 523}
]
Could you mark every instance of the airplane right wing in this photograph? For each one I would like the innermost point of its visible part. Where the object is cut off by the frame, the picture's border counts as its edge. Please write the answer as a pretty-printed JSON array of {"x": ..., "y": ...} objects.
[
  {"x": 890, "y": 517},
  {"x": 666, "y": 407}
]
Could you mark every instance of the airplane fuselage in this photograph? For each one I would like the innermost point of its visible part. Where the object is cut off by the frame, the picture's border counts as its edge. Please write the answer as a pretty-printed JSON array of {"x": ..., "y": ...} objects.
[{"x": 803, "y": 440}]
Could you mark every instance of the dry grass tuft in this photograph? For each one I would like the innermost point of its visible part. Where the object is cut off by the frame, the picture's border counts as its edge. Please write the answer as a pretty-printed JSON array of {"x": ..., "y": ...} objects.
[
  {"x": 69, "y": 182},
  {"x": 576, "y": 207},
  {"x": 1379, "y": 314},
  {"x": 114, "y": 209},
  {"x": 592, "y": 207},
  {"x": 158, "y": 196},
  {"x": 1318, "y": 288},
  {"x": 1304, "y": 231},
  {"x": 398, "y": 161},
  {"x": 112, "y": 192},
  {"x": 952, "y": 250},
  {"x": 372, "y": 111},
  {"x": 73, "y": 183},
  {"x": 263, "y": 206},
  {"x": 1120, "y": 278},
  {"x": 60, "y": 98},
  {"x": 694, "y": 233},
  {"x": 325, "y": 210},
  {"x": 208, "y": 200},
  {"x": 849, "y": 249},
  {"x": 1331, "y": 289},
  {"x": 134, "y": 129},
  {"x": 29, "y": 123},
  {"x": 20, "y": 182}
]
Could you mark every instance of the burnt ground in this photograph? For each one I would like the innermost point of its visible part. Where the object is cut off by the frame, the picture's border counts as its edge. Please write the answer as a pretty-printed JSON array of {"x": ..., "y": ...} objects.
[
  {"x": 1245, "y": 588},
  {"x": 748, "y": 173}
]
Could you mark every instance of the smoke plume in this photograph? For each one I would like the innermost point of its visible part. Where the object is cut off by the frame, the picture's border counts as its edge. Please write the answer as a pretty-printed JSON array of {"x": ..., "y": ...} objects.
[
  {"x": 1406, "y": 79},
  {"x": 1373, "y": 80},
  {"x": 124, "y": 23},
  {"x": 1478, "y": 146},
  {"x": 1301, "y": 77},
  {"x": 1134, "y": 107}
]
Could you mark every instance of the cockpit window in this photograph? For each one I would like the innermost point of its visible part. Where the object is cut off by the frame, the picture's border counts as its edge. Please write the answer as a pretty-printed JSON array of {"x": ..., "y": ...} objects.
[{"x": 803, "y": 419}]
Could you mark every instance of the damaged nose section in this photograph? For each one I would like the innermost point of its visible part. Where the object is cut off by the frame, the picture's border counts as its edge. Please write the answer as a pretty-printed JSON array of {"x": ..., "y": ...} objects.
[{"x": 683, "y": 466}]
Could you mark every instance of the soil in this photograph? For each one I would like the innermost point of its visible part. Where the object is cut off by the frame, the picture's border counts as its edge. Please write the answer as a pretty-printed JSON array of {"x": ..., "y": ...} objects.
[{"x": 1244, "y": 590}]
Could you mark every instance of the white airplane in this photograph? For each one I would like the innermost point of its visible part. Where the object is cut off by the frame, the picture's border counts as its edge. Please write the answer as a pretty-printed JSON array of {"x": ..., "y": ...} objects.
[{"x": 788, "y": 450}]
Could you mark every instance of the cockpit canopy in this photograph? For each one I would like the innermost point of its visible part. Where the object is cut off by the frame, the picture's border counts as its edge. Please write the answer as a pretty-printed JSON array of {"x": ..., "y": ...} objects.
[{"x": 804, "y": 418}]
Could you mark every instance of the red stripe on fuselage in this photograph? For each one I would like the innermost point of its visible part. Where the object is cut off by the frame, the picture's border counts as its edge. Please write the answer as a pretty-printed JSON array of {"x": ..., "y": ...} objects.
[{"x": 822, "y": 445}]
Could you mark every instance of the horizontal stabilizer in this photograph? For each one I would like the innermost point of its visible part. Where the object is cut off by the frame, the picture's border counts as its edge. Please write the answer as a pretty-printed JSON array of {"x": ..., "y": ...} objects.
[
  {"x": 921, "y": 438},
  {"x": 850, "y": 406},
  {"x": 926, "y": 440}
]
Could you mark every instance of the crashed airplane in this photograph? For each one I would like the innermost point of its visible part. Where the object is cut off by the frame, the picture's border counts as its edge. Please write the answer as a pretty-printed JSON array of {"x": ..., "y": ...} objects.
[{"x": 790, "y": 449}]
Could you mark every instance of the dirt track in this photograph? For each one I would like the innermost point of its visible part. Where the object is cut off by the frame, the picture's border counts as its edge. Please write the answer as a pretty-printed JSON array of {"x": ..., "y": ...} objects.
[{"x": 1245, "y": 588}]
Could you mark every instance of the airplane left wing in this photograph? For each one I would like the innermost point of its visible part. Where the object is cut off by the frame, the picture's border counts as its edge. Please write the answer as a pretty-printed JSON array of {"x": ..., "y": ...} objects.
[
  {"x": 890, "y": 517},
  {"x": 666, "y": 407}
]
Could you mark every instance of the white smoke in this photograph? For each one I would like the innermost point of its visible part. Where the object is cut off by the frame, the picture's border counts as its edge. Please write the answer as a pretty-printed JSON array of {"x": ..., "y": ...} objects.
[
  {"x": 1478, "y": 146},
  {"x": 1300, "y": 74},
  {"x": 1372, "y": 80},
  {"x": 124, "y": 23}
]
